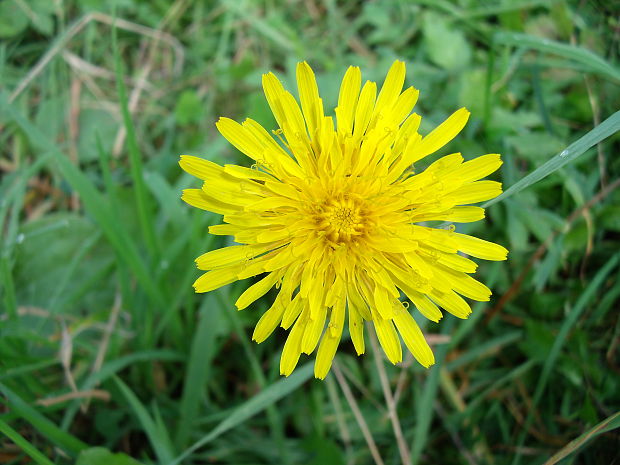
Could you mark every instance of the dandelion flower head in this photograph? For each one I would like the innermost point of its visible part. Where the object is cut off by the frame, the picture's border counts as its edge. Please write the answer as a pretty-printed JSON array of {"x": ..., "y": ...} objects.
[{"x": 333, "y": 215}]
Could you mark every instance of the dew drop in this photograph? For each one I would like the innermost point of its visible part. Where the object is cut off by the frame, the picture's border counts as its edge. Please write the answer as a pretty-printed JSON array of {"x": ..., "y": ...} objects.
[
  {"x": 164, "y": 264},
  {"x": 406, "y": 304},
  {"x": 564, "y": 153},
  {"x": 20, "y": 238},
  {"x": 451, "y": 228}
]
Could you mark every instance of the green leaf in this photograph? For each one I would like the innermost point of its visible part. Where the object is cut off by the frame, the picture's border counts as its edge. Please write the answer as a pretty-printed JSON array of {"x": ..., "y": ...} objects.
[
  {"x": 188, "y": 109},
  {"x": 13, "y": 20},
  {"x": 102, "y": 456},
  {"x": 95, "y": 123},
  {"x": 445, "y": 44},
  {"x": 93, "y": 200}
]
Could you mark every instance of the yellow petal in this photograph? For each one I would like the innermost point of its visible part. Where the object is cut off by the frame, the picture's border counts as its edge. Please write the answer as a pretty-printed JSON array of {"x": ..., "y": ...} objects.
[
  {"x": 365, "y": 106},
  {"x": 197, "y": 198},
  {"x": 329, "y": 343},
  {"x": 292, "y": 347},
  {"x": 356, "y": 300},
  {"x": 257, "y": 290},
  {"x": 273, "y": 90},
  {"x": 452, "y": 302},
  {"x": 478, "y": 191},
  {"x": 216, "y": 278},
  {"x": 383, "y": 302},
  {"x": 388, "y": 338},
  {"x": 199, "y": 167},
  {"x": 356, "y": 329},
  {"x": 455, "y": 214},
  {"x": 229, "y": 255},
  {"x": 393, "y": 84},
  {"x": 268, "y": 322},
  {"x": 413, "y": 337},
  {"x": 404, "y": 104},
  {"x": 480, "y": 248},
  {"x": 311, "y": 103},
  {"x": 478, "y": 168},
  {"x": 347, "y": 99},
  {"x": 425, "y": 306},
  {"x": 445, "y": 132},
  {"x": 314, "y": 329},
  {"x": 292, "y": 311},
  {"x": 238, "y": 136}
]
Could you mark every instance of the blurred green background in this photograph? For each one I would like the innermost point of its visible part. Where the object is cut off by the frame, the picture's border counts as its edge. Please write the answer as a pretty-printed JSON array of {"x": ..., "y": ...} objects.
[{"x": 105, "y": 351}]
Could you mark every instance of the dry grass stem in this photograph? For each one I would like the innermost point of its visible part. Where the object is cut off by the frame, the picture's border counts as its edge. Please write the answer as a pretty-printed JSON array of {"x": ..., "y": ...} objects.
[
  {"x": 403, "y": 449},
  {"x": 372, "y": 446}
]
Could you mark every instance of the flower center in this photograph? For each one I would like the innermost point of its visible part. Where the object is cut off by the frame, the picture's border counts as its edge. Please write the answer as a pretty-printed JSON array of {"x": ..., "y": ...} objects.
[{"x": 341, "y": 220}]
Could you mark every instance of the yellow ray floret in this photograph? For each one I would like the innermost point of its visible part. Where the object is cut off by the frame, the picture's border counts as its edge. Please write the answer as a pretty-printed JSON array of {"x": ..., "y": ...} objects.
[{"x": 332, "y": 214}]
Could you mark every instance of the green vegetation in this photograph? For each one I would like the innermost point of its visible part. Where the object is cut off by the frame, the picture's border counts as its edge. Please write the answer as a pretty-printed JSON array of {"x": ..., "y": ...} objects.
[{"x": 108, "y": 357}]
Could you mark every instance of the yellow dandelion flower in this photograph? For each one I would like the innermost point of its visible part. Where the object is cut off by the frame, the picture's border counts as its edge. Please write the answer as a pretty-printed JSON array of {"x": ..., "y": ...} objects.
[{"x": 332, "y": 213}]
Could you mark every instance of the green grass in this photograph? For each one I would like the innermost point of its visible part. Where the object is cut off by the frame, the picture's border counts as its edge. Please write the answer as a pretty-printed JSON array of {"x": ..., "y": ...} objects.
[{"x": 96, "y": 259}]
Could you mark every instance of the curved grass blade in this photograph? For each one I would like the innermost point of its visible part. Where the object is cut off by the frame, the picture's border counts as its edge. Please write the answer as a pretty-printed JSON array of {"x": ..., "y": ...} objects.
[
  {"x": 256, "y": 404},
  {"x": 49, "y": 430},
  {"x": 141, "y": 194},
  {"x": 607, "y": 128},
  {"x": 155, "y": 430},
  {"x": 23, "y": 444},
  {"x": 609, "y": 423},
  {"x": 580, "y": 55},
  {"x": 560, "y": 339}
]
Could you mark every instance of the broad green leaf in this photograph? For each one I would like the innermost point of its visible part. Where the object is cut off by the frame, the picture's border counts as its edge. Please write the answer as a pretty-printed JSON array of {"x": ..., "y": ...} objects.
[
  {"x": 188, "y": 109},
  {"x": 13, "y": 19},
  {"x": 445, "y": 44}
]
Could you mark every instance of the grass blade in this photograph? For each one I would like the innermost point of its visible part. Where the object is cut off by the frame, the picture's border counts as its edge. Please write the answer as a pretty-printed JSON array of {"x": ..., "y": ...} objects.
[
  {"x": 94, "y": 202},
  {"x": 53, "y": 433},
  {"x": 198, "y": 370},
  {"x": 609, "y": 423},
  {"x": 141, "y": 194},
  {"x": 256, "y": 404},
  {"x": 591, "y": 61},
  {"x": 114, "y": 366},
  {"x": 607, "y": 128},
  {"x": 158, "y": 436},
  {"x": 426, "y": 402},
  {"x": 561, "y": 337},
  {"x": 23, "y": 444}
]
